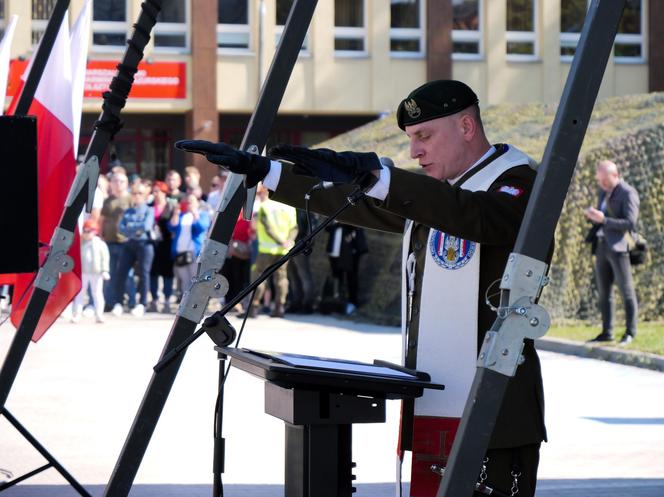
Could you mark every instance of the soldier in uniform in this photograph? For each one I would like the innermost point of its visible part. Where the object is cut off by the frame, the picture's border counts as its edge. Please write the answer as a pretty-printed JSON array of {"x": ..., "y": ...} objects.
[{"x": 460, "y": 221}]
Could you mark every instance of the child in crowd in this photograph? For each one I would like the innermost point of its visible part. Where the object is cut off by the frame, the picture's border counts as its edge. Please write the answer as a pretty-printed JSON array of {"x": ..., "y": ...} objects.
[
  {"x": 189, "y": 224},
  {"x": 95, "y": 270}
]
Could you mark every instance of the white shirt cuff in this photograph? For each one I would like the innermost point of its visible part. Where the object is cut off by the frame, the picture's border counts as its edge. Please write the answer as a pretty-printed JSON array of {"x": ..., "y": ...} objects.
[
  {"x": 382, "y": 187},
  {"x": 271, "y": 180}
]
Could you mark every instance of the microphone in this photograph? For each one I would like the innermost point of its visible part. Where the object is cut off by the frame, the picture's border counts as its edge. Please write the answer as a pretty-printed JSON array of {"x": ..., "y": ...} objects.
[{"x": 325, "y": 185}]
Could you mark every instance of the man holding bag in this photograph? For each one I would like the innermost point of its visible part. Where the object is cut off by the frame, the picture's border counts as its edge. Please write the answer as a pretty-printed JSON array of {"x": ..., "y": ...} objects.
[{"x": 614, "y": 220}]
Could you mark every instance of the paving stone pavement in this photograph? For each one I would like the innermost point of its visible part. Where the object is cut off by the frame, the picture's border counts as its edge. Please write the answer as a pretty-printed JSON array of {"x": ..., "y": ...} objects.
[{"x": 80, "y": 386}]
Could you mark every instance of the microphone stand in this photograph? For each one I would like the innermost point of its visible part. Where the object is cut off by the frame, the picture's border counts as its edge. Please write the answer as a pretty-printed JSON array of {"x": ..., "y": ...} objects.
[{"x": 212, "y": 321}]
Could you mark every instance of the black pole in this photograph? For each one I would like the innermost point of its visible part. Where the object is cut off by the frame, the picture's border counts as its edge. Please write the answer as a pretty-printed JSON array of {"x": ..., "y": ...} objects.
[
  {"x": 41, "y": 57},
  {"x": 534, "y": 238},
  {"x": 52, "y": 461},
  {"x": 105, "y": 128},
  {"x": 256, "y": 135}
]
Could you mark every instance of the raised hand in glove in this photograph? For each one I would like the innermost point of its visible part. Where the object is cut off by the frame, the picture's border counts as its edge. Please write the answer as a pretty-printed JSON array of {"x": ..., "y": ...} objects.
[
  {"x": 328, "y": 165},
  {"x": 254, "y": 166}
]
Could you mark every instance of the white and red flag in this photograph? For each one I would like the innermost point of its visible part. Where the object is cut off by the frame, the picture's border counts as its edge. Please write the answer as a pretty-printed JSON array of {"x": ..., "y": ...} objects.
[
  {"x": 5, "y": 56},
  {"x": 54, "y": 108}
]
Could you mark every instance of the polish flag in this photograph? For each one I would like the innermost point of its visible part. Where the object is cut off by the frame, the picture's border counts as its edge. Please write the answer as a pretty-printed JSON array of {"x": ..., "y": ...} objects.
[
  {"x": 5, "y": 56},
  {"x": 53, "y": 105}
]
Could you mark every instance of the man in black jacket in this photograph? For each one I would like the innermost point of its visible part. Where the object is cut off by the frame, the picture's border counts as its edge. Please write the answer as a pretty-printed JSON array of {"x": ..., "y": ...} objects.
[
  {"x": 614, "y": 222},
  {"x": 460, "y": 220}
]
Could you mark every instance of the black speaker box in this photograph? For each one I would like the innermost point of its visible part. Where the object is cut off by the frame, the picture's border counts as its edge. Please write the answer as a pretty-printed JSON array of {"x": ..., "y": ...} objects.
[{"x": 19, "y": 246}]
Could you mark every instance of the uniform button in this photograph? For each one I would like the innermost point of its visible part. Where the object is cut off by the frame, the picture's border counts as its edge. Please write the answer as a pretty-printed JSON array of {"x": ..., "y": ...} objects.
[{"x": 418, "y": 245}]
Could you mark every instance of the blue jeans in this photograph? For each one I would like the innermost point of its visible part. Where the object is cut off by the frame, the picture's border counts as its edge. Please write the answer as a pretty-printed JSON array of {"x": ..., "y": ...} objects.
[
  {"x": 154, "y": 287},
  {"x": 142, "y": 253},
  {"x": 115, "y": 251}
]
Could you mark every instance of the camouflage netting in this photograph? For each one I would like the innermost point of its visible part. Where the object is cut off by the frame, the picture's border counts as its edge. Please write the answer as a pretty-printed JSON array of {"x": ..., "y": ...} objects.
[{"x": 628, "y": 130}]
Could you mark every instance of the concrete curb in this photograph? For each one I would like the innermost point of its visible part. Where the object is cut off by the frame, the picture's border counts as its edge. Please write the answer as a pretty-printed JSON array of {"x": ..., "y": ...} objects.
[{"x": 602, "y": 352}]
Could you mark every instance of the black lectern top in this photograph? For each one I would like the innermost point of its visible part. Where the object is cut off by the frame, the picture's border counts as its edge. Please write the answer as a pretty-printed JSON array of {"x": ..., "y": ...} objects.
[{"x": 380, "y": 379}]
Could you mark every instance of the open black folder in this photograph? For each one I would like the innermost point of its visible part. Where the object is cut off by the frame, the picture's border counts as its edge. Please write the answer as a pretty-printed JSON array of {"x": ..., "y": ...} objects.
[{"x": 294, "y": 370}]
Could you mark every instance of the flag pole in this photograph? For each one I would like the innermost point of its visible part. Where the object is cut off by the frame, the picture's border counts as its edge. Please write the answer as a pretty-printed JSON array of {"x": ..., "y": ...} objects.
[
  {"x": 81, "y": 192},
  {"x": 40, "y": 58}
]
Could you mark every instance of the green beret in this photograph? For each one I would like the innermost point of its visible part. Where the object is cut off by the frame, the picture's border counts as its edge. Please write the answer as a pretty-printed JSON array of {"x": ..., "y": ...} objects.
[{"x": 433, "y": 100}]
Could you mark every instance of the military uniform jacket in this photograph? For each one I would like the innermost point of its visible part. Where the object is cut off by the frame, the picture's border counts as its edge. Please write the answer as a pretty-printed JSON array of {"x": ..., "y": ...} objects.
[{"x": 491, "y": 218}]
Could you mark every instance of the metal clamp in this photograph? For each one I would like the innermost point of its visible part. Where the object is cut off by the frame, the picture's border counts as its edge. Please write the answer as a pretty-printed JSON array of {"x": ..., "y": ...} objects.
[
  {"x": 207, "y": 284},
  {"x": 524, "y": 277},
  {"x": 521, "y": 318},
  {"x": 502, "y": 348},
  {"x": 57, "y": 260},
  {"x": 87, "y": 172}
]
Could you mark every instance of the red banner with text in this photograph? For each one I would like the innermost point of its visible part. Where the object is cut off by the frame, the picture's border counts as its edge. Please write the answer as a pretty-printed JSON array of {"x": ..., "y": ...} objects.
[{"x": 154, "y": 80}]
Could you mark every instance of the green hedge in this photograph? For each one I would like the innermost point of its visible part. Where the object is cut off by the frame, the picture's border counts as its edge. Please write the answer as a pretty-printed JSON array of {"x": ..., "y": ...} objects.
[{"x": 628, "y": 130}]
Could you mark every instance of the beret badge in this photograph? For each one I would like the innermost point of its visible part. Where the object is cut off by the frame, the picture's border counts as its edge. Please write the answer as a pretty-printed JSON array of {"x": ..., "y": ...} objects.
[{"x": 412, "y": 109}]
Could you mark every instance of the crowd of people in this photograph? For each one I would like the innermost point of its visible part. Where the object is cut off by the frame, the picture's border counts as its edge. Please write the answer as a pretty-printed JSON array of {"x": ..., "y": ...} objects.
[{"x": 140, "y": 243}]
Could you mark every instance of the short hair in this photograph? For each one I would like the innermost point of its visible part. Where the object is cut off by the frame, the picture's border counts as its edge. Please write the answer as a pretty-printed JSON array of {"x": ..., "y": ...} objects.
[{"x": 192, "y": 171}]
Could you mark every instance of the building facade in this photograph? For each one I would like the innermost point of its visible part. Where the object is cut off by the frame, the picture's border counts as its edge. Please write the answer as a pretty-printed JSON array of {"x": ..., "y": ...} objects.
[{"x": 204, "y": 67}]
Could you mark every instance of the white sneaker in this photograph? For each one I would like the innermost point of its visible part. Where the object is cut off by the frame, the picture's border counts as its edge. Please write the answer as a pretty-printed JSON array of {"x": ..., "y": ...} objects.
[
  {"x": 75, "y": 318},
  {"x": 138, "y": 311},
  {"x": 117, "y": 310},
  {"x": 88, "y": 312}
]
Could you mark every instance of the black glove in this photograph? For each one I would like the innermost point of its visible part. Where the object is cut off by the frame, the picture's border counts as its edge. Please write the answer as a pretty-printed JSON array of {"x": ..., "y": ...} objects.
[
  {"x": 328, "y": 165},
  {"x": 254, "y": 166}
]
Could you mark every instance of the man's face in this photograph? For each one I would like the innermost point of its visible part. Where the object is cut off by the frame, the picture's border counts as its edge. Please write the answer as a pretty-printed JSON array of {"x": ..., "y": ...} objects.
[
  {"x": 607, "y": 177},
  {"x": 119, "y": 185},
  {"x": 173, "y": 181},
  {"x": 439, "y": 146}
]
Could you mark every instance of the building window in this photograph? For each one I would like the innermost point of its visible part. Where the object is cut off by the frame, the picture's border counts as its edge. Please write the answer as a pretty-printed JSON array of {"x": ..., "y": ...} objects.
[
  {"x": 170, "y": 32},
  {"x": 467, "y": 29},
  {"x": 233, "y": 26},
  {"x": 521, "y": 33},
  {"x": 3, "y": 18},
  {"x": 406, "y": 33},
  {"x": 109, "y": 24},
  {"x": 629, "y": 39},
  {"x": 628, "y": 47},
  {"x": 572, "y": 16},
  {"x": 41, "y": 11},
  {"x": 283, "y": 9},
  {"x": 350, "y": 34}
]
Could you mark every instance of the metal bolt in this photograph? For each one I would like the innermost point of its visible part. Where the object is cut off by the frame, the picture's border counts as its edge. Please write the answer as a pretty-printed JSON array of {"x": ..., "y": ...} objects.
[
  {"x": 511, "y": 258},
  {"x": 506, "y": 277},
  {"x": 482, "y": 355},
  {"x": 195, "y": 306},
  {"x": 534, "y": 322},
  {"x": 504, "y": 352},
  {"x": 529, "y": 273},
  {"x": 217, "y": 286},
  {"x": 215, "y": 252},
  {"x": 521, "y": 311}
]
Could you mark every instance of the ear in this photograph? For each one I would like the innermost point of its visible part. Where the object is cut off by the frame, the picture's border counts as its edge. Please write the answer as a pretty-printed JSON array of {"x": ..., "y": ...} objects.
[{"x": 468, "y": 127}]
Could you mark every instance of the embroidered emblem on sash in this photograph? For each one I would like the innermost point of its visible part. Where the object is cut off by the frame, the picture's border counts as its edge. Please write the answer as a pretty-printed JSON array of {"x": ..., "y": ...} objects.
[
  {"x": 412, "y": 108},
  {"x": 450, "y": 252}
]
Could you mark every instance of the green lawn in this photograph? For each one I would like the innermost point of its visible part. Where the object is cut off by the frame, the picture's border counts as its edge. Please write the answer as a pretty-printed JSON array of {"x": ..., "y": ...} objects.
[{"x": 649, "y": 339}]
